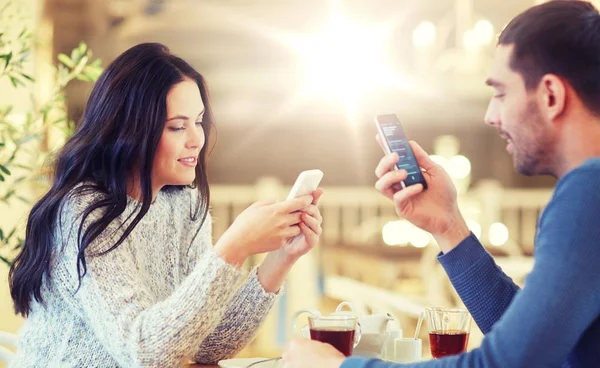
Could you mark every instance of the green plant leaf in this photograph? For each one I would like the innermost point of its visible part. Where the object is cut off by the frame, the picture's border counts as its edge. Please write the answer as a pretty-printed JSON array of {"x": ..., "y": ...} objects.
[
  {"x": 27, "y": 77},
  {"x": 1, "y": 234},
  {"x": 24, "y": 200},
  {"x": 4, "y": 170},
  {"x": 76, "y": 55},
  {"x": 20, "y": 243},
  {"x": 8, "y": 195},
  {"x": 59, "y": 120},
  {"x": 66, "y": 60},
  {"x": 15, "y": 81},
  {"x": 6, "y": 261},
  {"x": 8, "y": 58},
  {"x": 85, "y": 78},
  {"x": 12, "y": 232},
  {"x": 1, "y": 177}
]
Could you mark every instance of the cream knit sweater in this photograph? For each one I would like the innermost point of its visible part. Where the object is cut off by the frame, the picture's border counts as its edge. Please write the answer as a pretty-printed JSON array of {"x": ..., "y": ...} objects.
[{"x": 161, "y": 298}]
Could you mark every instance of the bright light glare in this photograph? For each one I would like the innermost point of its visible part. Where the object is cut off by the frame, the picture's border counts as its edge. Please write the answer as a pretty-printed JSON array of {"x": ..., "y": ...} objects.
[
  {"x": 424, "y": 35},
  {"x": 498, "y": 234},
  {"x": 345, "y": 61},
  {"x": 396, "y": 233},
  {"x": 471, "y": 40},
  {"x": 419, "y": 238},
  {"x": 459, "y": 167},
  {"x": 484, "y": 31}
]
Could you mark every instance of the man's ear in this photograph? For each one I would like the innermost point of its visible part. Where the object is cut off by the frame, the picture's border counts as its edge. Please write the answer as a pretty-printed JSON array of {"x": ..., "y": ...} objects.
[{"x": 552, "y": 92}]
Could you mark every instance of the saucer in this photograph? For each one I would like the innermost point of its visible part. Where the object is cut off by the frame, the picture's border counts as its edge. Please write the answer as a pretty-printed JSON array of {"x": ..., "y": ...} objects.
[{"x": 244, "y": 362}]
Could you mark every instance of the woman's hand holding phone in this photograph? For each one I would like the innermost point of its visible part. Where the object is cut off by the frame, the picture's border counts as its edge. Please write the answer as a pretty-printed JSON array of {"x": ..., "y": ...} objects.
[
  {"x": 434, "y": 210},
  {"x": 263, "y": 227}
]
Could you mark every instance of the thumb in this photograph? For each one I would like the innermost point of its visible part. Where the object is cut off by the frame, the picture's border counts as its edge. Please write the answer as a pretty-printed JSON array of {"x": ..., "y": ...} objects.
[
  {"x": 317, "y": 196},
  {"x": 422, "y": 157},
  {"x": 403, "y": 196}
]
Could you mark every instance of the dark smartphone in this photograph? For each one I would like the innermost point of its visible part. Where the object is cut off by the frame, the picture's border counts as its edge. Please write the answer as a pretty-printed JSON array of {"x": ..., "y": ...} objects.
[{"x": 394, "y": 140}]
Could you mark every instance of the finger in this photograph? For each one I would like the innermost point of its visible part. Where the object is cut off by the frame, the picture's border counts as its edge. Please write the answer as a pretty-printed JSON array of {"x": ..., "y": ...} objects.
[
  {"x": 295, "y": 204},
  {"x": 386, "y": 164},
  {"x": 311, "y": 237},
  {"x": 387, "y": 183},
  {"x": 291, "y": 231},
  {"x": 292, "y": 219},
  {"x": 317, "y": 196},
  {"x": 312, "y": 223},
  {"x": 313, "y": 211},
  {"x": 422, "y": 157},
  {"x": 407, "y": 193}
]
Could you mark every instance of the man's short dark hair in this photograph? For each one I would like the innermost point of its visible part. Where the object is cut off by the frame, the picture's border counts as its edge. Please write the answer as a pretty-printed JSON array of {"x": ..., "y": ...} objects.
[{"x": 559, "y": 37}]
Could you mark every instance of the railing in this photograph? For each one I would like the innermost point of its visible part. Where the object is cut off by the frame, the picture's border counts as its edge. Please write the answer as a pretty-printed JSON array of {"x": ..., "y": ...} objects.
[{"x": 357, "y": 214}]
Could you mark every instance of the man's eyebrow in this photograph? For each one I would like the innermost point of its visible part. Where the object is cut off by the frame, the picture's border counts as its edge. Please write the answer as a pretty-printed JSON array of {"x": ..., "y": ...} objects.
[{"x": 493, "y": 83}]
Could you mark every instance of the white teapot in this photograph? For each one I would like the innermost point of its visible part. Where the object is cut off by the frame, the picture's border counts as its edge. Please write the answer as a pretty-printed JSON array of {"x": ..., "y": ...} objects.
[{"x": 372, "y": 328}]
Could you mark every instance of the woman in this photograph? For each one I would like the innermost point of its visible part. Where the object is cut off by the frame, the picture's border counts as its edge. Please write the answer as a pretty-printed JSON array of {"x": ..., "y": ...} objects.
[{"x": 118, "y": 267}]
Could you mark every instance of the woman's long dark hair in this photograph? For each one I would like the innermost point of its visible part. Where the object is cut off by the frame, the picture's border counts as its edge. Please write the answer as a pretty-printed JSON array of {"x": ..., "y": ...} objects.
[{"x": 117, "y": 138}]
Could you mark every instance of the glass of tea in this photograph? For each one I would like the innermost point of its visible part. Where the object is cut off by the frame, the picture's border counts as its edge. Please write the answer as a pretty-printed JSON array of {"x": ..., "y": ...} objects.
[
  {"x": 338, "y": 331},
  {"x": 448, "y": 330}
]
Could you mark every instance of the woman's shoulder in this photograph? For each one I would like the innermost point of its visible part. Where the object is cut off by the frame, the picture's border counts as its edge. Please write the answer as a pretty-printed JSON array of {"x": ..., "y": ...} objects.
[{"x": 81, "y": 197}]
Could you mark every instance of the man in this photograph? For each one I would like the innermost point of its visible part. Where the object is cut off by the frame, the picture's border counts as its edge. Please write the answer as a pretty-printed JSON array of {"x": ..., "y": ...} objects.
[{"x": 546, "y": 104}]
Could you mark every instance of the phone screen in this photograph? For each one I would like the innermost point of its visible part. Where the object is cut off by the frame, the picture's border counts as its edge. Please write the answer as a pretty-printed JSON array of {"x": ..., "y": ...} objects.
[{"x": 391, "y": 130}]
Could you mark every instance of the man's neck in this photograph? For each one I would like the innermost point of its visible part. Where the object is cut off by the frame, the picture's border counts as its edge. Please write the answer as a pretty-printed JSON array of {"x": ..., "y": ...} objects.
[{"x": 581, "y": 141}]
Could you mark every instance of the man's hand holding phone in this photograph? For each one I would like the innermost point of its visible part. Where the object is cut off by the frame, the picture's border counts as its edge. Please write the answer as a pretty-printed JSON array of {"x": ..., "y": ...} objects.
[{"x": 434, "y": 210}]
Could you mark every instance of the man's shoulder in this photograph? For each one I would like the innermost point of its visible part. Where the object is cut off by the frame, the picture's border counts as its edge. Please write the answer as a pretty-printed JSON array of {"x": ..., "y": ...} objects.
[
  {"x": 587, "y": 175},
  {"x": 590, "y": 164},
  {"x": 577, "y": 193}
]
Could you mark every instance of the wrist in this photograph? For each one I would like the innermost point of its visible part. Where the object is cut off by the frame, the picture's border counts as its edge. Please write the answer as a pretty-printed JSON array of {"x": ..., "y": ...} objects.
[
  {"x": 282, "y": 258},
  {"x": 231, "y": 251},
  {"x": 454, "y": 233}
]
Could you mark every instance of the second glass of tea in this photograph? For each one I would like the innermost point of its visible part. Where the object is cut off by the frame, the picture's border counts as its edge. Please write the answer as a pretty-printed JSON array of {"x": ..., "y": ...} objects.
[{"x": 448, "y": 330}]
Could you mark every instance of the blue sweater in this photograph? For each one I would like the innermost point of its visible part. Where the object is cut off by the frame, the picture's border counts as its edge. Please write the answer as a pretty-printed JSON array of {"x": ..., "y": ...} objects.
[{"x": 554, "y": 321}]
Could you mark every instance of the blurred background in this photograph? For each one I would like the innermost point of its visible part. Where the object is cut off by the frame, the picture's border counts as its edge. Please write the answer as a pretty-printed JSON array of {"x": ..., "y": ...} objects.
[{"x": 294, "y": 86}]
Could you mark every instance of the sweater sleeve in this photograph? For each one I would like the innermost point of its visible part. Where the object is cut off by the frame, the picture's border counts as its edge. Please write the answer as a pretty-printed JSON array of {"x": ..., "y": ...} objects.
[
  {"x": 483, "y": 287},
  {"x": 239, "y": 323},
  {"x": 243, "y": 315},
  {"x": 133, "y": 327},
  {"x": 560, "y": 300}
]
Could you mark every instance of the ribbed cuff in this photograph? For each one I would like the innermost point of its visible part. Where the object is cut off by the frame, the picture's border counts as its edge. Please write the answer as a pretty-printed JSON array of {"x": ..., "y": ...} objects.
[{"x": 463, "y": 256}]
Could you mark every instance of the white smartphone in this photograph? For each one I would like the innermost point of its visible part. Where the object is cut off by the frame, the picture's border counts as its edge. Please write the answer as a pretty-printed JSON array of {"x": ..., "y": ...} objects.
[{"x": 308, "y": 181}]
